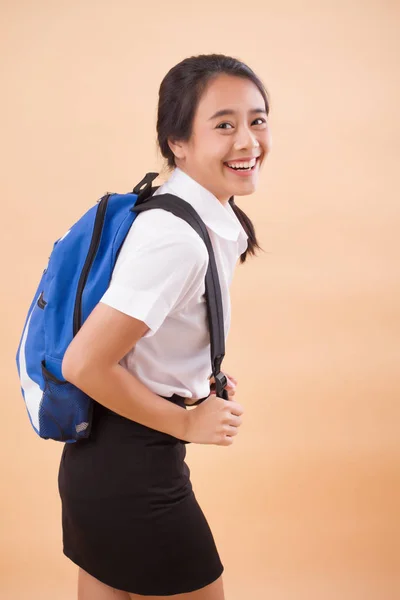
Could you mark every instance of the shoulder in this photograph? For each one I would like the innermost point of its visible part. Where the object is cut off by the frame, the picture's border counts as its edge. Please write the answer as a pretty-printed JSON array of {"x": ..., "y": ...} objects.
[
  {"x": 157, "y": 218},
  {"x": 159, "y": 231}
]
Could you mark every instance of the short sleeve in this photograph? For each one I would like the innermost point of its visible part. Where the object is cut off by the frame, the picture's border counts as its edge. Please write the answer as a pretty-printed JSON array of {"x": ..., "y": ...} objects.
[{"x": 155, "y": 275}]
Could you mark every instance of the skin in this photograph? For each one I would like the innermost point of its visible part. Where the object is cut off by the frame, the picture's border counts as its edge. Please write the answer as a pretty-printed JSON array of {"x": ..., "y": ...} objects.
[{"x": 226, "y": 138}]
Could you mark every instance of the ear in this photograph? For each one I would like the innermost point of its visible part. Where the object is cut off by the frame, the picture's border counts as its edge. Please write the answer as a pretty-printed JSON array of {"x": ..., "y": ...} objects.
[{"x": 177, "y": 148}]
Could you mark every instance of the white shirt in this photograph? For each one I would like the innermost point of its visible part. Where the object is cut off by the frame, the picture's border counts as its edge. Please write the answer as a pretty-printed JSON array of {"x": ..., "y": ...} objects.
[{"x": 159, "y": 278}]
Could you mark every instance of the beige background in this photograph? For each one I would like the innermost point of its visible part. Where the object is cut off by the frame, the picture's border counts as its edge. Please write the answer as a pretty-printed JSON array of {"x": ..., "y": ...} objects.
[{"x": 306, "y": 502}]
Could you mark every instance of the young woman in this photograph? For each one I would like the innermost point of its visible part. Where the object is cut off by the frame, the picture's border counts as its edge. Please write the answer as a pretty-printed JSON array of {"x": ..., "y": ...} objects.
[{"x": 130, "y": 518}]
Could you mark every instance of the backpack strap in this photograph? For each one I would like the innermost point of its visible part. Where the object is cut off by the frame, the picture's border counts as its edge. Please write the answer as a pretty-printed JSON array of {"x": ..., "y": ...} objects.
[{"x": 184, "y": 210}]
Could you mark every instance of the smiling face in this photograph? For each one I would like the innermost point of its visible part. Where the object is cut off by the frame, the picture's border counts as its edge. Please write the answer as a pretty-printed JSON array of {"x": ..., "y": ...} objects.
[{"x": 229, "y": 127}]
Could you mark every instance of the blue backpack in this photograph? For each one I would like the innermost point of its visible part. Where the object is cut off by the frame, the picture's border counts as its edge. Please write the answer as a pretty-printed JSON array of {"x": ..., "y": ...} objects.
[{"x": 77, "y": 275}]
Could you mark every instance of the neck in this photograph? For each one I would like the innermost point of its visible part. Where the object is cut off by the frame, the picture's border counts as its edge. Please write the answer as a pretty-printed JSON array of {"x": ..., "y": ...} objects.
[{"x": 224, "y": 200}]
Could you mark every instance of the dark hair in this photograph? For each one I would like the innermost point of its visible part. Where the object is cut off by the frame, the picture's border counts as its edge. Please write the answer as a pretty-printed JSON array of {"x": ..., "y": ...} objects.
[{"x": 179, "y": 94}]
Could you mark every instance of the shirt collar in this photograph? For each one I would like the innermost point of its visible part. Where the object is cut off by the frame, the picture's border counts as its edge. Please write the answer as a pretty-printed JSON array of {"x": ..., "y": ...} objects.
[{"x": 218, "y": 217}]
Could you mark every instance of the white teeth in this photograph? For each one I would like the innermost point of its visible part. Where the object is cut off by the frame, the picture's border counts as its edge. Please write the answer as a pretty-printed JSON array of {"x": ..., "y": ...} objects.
[{"x": 243, "y": 165}]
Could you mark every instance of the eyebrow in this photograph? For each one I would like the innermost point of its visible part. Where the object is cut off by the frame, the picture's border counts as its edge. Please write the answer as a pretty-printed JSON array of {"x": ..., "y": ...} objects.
[{"x": 227, "y": 111}]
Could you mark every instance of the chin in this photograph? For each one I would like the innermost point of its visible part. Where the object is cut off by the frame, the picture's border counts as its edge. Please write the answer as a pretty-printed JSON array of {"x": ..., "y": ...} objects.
[{"x": 245, "y": 190}]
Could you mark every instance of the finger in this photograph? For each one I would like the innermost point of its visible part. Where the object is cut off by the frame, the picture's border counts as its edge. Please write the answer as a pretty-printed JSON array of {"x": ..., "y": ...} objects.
[
  {"x": 235, "y": 421},
  {"x": 231, "y": 380},
  {"x": 235, "y": 408},
  {"x": 231, "y": 431}
]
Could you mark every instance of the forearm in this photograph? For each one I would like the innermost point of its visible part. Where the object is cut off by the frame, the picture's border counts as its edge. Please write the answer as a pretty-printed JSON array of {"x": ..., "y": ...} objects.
[{"x": 118, "y": 389}]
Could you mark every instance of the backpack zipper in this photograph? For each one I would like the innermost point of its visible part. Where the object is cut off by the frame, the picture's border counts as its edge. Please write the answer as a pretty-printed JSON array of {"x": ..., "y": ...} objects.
[{"x": 94, "y": 246}]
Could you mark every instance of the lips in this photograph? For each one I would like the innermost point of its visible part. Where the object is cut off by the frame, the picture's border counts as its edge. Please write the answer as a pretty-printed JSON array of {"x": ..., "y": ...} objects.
[
  {"x": 244, "y": 171},
  {"x": 241, "y": 160}
]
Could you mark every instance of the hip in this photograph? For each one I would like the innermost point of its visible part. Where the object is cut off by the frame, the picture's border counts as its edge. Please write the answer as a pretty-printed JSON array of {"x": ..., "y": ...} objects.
[{"x": 124, "y": 458}]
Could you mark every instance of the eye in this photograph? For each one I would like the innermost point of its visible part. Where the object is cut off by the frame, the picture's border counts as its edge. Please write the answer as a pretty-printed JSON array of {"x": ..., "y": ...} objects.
[
  {"x": 226, "y": 123},
  {"x": 220, "y": 125}
]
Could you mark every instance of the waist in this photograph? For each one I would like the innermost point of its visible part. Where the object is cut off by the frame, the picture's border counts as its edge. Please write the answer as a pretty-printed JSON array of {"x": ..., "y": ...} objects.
[{"x": 107, "y": 419}]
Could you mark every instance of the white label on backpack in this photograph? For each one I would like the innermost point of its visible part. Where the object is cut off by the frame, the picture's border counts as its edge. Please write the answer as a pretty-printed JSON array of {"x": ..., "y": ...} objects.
[{"x": 81, "y": 427}]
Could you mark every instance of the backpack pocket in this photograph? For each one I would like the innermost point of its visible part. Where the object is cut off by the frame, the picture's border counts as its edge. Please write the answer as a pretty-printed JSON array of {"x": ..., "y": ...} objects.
[{"x": 65, "y": 412}]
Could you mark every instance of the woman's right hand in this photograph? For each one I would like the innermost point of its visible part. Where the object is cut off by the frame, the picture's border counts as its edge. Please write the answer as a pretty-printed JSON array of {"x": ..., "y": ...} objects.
[{"x": 214, "y": 421}]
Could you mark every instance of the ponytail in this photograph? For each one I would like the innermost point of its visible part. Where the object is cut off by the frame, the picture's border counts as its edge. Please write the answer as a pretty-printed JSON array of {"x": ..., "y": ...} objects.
[{"x": 248, "y": 227}]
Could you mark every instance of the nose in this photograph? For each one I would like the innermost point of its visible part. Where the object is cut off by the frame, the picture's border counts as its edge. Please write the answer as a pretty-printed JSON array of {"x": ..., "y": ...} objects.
[{"x": 246, "y": 139}]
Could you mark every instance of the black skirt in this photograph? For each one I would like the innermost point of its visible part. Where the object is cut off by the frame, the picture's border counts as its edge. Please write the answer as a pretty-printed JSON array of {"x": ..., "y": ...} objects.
[{"x": 129, "y": 514}]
